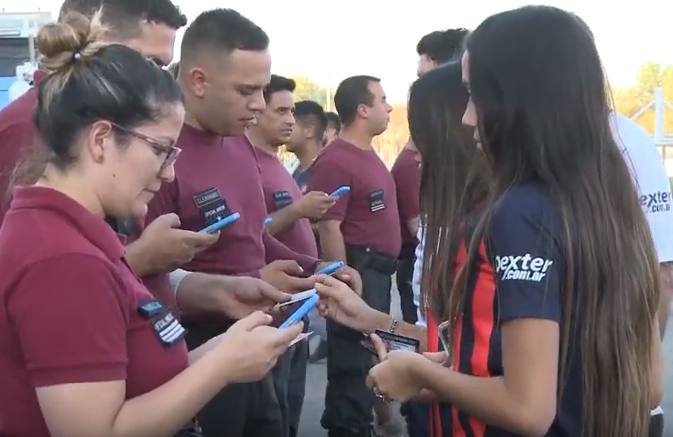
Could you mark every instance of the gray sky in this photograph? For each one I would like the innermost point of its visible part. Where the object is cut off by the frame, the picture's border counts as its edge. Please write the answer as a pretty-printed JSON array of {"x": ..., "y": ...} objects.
[{"x": 328, "y": 41}]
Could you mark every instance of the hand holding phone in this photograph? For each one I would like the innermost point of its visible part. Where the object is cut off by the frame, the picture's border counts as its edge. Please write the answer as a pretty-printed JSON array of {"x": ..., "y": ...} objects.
[{"x": 392, "y": 342}]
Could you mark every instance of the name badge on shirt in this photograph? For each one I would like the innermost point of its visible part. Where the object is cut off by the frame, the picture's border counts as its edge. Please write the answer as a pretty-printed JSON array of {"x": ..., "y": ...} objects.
[
  {"x": 212, "y": 206},
  {"x": 376, "y": 202},
  {"x": 281, "y": 199},
  {"x": 164, "y": 324}
]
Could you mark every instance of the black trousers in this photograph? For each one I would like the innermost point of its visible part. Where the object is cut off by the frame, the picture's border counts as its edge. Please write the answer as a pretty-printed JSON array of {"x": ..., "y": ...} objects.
[
  {"x": 348, "y": 401},
  {"x": 239, "y": 410},
  {"x": 656, "y": 426},
  {"x": 405, "y": 274},
  {"x": 289, "y": 377}
]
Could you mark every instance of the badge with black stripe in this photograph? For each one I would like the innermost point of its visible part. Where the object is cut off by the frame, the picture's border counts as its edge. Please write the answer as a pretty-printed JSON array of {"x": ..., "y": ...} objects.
[{"x": 164, "y": 324}]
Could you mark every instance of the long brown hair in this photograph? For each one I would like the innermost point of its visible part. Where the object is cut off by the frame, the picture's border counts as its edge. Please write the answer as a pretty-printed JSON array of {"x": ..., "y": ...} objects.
[
  {"x": 541, "y": 97},
  {"x": 451, "y": 180}
]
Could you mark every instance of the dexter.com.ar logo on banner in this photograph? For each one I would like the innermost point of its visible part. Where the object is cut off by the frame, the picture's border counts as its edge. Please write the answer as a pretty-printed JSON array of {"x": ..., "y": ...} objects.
[{"x": 659, "y": 201}]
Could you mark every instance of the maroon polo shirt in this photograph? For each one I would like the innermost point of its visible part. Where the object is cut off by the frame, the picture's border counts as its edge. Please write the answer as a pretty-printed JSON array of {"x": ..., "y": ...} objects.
[
  {"x": 407, "y": 176},
  {"x": 216, "y": 176},
  {"x": 69, "y": 310},
  {"x": 17, "y": 136},
  {"x": 280, "y": 190},
  {"x": 368, "y": 214}
]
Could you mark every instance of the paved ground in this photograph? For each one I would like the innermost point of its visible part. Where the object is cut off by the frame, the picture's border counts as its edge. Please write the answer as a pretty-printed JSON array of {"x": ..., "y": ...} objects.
[{"x": 317, "y": 377}]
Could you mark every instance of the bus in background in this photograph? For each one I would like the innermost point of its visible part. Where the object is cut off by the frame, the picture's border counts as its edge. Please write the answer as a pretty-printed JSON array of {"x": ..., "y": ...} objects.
[{"x": 17, "y": 49}]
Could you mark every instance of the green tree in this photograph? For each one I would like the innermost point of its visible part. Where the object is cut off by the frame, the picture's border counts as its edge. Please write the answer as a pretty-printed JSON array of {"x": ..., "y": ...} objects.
[{"x": 309, "y": 90}]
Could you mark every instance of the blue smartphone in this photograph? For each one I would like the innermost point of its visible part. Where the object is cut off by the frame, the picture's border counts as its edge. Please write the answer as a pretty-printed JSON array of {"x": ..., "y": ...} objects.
[
  {"x": 331, "y": 269},
  {"x": 344, "y": 189},
  {"x": 231, "y": 218},
  {"x": 268, "y": 220},
  {"x": 291, "y": 313}
]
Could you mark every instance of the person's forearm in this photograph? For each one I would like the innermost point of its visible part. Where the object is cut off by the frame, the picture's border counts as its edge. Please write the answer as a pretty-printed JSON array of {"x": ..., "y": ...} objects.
[
  {"x": 484, "y": 398},
  {"x": 200, "y": 297},
  {"x": 137, "y": 259},
  {"x": 283, "y": 218},
  {"x": 332, "y": 245},
  {"x": 275, "y": 250},
  {"x": 166, "y": 409}
]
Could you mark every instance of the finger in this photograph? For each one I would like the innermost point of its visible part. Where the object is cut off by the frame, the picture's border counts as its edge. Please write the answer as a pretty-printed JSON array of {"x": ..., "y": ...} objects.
[
  {"x": 426, "y": 395},
  {"x": 327, "y": 281},
  {"x": 172, "y": 220},
  {"x": 271, "y": 293},
  {"x": 289, "y": 334},
  {"x": 253, "y": 321},
  {"x": 201, "y": 239},
  {"x": 437, "y": 357},
  {"x": 380, "y": 347},
  {"x": 300, "y": 284},
  {"x": 290, "y": 267},
  {"x": 344, "y": 277},
  {"x": 326, "y": 291},
  {"x": 371, "y": 380}
]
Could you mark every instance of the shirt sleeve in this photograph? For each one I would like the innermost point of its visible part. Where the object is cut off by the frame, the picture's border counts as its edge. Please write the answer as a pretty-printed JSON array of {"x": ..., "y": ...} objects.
[
  {"x": 408, "y": 183},
  {"x": 327, "y": 176},
  {"x": 71, "y": 326},
  {"x": 275, "y": 250},
  {"x": 525, "y": 251}
]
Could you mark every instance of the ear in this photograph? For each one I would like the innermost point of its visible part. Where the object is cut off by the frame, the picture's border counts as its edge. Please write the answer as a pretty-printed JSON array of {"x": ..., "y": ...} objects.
[
  {"x": 196, "y": 81},
  {"x": 308, "y": 131},
  {"x": 99, "y": 139},
  {"x": 363, "y": 111}
]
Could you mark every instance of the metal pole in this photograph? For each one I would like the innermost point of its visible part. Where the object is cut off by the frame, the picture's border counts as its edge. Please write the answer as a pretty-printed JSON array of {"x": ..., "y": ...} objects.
[{"x": 659, "y": 104}]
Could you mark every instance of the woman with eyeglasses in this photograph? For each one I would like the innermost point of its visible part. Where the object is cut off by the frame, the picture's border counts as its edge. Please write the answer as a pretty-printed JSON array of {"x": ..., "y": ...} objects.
[
  {"x": 85, "y": 350},
  {"x": 564, "y": 341}
]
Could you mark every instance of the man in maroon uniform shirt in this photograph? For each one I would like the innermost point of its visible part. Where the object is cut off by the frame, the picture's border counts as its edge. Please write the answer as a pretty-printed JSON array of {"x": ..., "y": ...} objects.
[
  {"x": 290, "y": 213},
  {"x": 224, "y": 68},
  {"x": 362, "y": 228}
]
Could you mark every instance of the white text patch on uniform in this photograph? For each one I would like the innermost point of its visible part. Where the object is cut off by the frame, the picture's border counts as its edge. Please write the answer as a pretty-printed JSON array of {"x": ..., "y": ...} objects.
[{"x": 522, "y": 267}]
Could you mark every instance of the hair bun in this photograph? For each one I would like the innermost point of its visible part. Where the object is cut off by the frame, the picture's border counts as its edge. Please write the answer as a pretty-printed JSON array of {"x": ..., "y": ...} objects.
[{"x": 76, "y": 36}]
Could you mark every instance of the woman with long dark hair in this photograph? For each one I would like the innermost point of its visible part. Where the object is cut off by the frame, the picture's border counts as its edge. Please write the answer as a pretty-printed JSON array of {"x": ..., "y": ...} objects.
[{"x": 553, "y": 309}]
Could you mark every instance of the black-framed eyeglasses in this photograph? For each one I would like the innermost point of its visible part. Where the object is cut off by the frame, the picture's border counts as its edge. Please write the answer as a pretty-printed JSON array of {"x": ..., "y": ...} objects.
[{"x": 171, "y": 150}]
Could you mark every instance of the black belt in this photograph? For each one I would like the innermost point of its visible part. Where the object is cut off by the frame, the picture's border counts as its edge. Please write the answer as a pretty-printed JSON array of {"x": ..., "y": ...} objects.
[{"x": 366, "y": 257}]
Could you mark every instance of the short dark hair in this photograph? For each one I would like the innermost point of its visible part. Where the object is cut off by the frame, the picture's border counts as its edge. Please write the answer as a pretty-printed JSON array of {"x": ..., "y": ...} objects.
[
  {"x": 333, "y": 120},
  {"x": 351, "y": 93},
  {"x": 278, "y": 83},
  {"x": 311, "y": 112},
  {"x": 93, "y": 81},
  {"x": 85, "y": 7},
  {"x": 222, "y": 29},
  {"x": 122, "y": 16},
  {"x": 442, "y": 45}
]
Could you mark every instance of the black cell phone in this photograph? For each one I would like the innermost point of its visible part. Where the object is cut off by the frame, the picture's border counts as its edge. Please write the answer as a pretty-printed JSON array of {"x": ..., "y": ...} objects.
[
  {"x": 392, "y": 342},
  {"x": 398, "y": 342}
]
